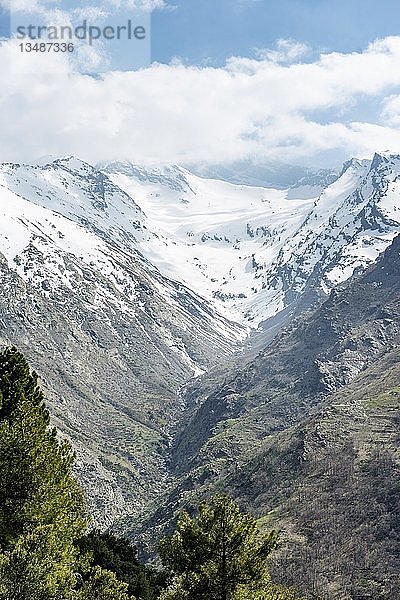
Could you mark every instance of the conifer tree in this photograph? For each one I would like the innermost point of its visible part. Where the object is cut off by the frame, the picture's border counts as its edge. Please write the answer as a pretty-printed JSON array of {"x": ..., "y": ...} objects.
[
  {"x": 220, "y": 555},
  {"x": 103, "y": 585},
  {"x": 120, "y": 556},
  {"x": 42, "y": 508}
]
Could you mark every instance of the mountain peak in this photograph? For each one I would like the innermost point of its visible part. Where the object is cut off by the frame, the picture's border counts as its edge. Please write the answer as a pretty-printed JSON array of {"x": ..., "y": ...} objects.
[
  {"x": 378, "y": 160},
  {"x": 353, "y": 163},
  {"x": 74, "y": 164},
  {"x": 251, "y": 251}
]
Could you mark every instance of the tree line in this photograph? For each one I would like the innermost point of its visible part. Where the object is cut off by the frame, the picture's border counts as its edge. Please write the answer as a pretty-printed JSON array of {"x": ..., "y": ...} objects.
[{"x": 48, "y": 552}]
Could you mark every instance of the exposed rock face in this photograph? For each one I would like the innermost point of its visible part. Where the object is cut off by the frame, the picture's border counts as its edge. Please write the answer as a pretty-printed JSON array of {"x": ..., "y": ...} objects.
[
  {"x": 259, "y": 252},
  {"x": 331, "y": 486},
  {"x": 312, "y": 357},
  {"x": 112, "y": 372},
  {"x": 332, "y": 482},
  {"x": 305, "y": 436},
  {"x": 123, "y": 285},
  {"x": 112, "y": 338}
]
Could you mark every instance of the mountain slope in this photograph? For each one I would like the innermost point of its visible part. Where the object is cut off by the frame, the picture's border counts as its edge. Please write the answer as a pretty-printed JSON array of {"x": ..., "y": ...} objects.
[
  {"x": 253, "y": 252},
  {"x": 313, "y": 357},
  {"x": 330, "y": 485},
  {"x": 257, "y": 251},
  {"x": 134, "y": 280},
  {"x": 305, "y": 436},
  {"x": 113, "y": 338}
]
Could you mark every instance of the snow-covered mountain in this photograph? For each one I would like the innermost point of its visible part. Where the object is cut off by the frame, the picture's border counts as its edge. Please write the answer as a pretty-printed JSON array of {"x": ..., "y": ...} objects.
[
  {"x": 255, "y": 250},
  {"x": 69, "y": 209},
  {"x": 250, "y": 251},
  {"x": 121, "y": 282},
  {"x": 112, "y": 337}
]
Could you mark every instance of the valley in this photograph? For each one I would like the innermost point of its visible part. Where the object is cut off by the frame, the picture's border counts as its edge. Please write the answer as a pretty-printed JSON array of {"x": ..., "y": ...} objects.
[{"x": 195, "y": 335}]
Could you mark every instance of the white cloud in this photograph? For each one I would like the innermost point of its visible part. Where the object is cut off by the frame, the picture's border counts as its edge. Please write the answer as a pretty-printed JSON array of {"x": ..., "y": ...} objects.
[
  {"x": 15, "y": 7},
  {"x": 241, "y": 5},
  {"x": 30, "y": 6},
  {"x": 179, "y": 113},
  {"x": 141, "y": 5},
  {"x": 391, "y": 110},
  {"x": 285, "y": 51},
  {"x": 90, "y": 13},
  {"x": 49, "y": 9}
]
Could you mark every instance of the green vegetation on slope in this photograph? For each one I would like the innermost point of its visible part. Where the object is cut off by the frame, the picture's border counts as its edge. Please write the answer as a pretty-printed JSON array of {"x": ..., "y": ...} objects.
[
  {"x": 42, "y": 509},
  {"x": 306, "y": 437},
  {"x": 220, "y": 554},
  {"x": 46, "y": 555},
  {"x": 333, "y": 482}
]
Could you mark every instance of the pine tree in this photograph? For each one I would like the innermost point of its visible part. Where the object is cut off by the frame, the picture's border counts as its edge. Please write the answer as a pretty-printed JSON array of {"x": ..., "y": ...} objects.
[
  {"x": 220, "y": 555},
  {"x": 42, "y": 508},
  {"x": 120, "y": 556},
  {"x": 103, "y": 585}
]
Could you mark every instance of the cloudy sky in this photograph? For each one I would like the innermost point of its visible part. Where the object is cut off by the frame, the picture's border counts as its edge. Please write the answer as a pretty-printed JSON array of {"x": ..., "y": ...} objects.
[{"x": 303, "y": 81}]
